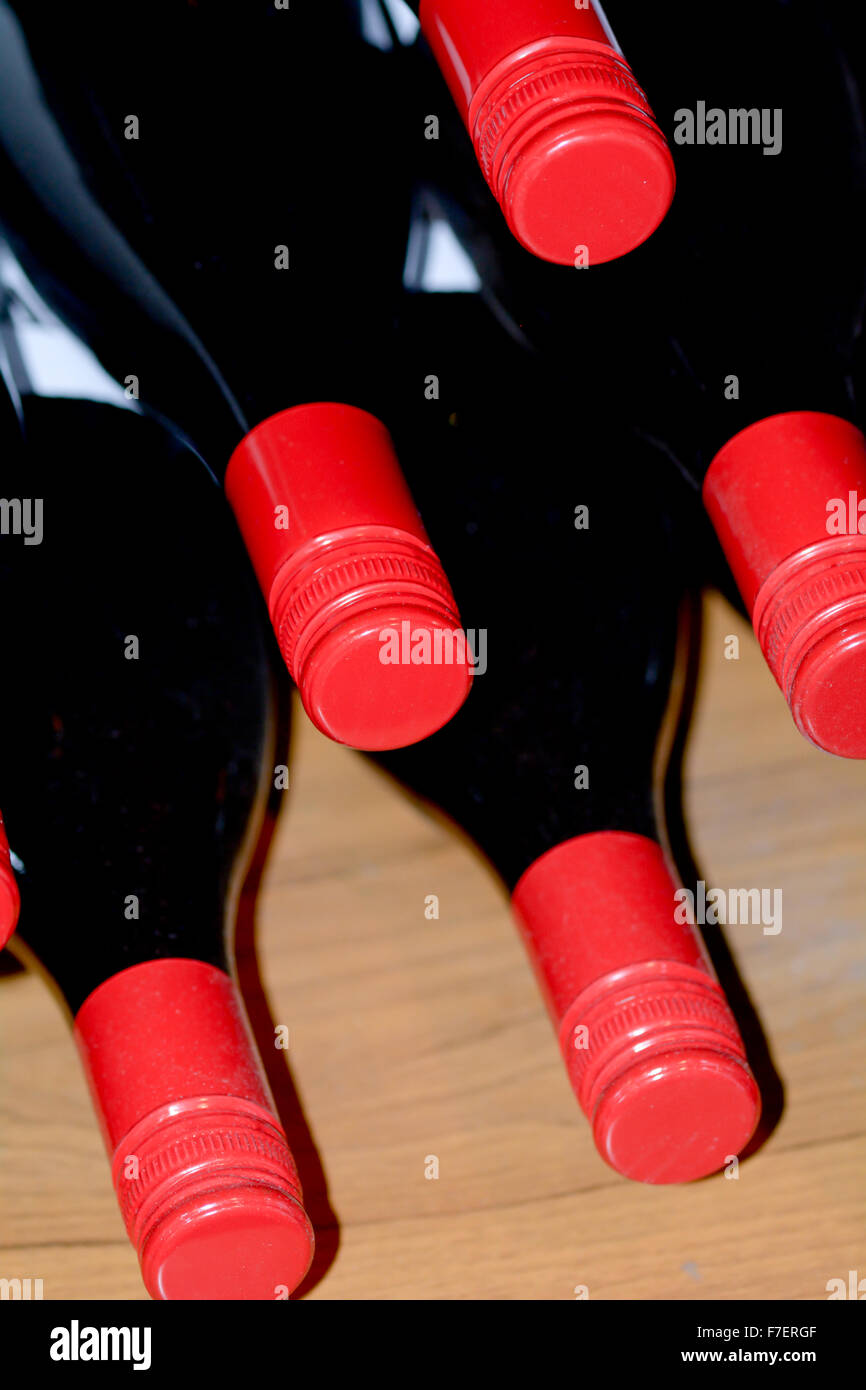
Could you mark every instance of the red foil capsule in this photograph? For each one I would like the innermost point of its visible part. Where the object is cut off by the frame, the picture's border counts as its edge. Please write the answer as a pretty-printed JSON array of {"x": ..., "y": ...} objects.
[
  {"x": 783, "y": 495},
  {"x": 563, "y": 133},
  {"x": 204, "y": 1176},
  {"x": 650, "y": 1044},
  {"x": 10, "y": 902},
  {"x": 364, "y": 615}
]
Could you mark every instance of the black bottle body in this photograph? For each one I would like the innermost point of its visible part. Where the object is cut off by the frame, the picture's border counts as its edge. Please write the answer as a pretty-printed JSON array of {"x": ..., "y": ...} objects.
[
  {"x": 134, "y": 729},
  {"x": 191, "y": 203}
]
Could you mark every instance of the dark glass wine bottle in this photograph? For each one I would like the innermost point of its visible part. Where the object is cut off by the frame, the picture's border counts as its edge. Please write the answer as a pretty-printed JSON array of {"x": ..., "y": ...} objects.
[
  {"x": 571, "y": 562},
  {"x": 765, "y": 262},
  {"x": 733, "y": 333},
  {"x": 230, "y": 259},
  {"x": 136, "y": 748}
]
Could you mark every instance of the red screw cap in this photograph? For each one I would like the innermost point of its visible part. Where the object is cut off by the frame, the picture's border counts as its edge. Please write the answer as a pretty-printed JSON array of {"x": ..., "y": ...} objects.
[
  {"x": 216, "y": 1211},
  {"x": 10, "y": 902},
  {"x": 783, "y": 496},
  {"x": 204, "y": 1176},
  {"x": 563, "y": 133},
  {"x": 664, "y": 1077},
  {"x": 365, "y": 617},
  {"x": 649, "y": 1040}
]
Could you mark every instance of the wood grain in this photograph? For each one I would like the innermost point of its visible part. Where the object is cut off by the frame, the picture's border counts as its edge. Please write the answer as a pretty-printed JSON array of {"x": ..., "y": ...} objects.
[{"x": 411, "y": 1038}]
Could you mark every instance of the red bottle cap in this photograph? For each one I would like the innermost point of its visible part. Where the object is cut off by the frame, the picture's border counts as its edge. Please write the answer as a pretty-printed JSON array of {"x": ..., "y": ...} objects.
[
  {"x": 205, "y": 1179},
  {"x": 649, "y": 1040},
  {"x": 10, "y": 901},
  {"x": 563, "y": 133},
  {"x": 783, "y": 495},
  {"x": 365, "y": 618}
]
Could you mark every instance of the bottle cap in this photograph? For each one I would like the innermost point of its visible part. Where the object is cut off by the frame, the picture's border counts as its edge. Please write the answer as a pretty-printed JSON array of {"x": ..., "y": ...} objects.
[
  {"x": 364, "y": 615},
  {"x": 564, "y": 134},
  {"x": 663, "y": 1076},
  {"x": 205, "y": 1179},
  {"x": 215, "y": 1212},
  {"x": 10, "y": 901},
  {"x": 571, "y": 151},
  {"x": 784, "y": 497},
  {"x": 649, "y": 1041}
]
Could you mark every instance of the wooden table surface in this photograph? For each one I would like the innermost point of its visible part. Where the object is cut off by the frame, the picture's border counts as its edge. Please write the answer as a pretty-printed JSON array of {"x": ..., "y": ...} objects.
[{"x": 411, "y": 1038}]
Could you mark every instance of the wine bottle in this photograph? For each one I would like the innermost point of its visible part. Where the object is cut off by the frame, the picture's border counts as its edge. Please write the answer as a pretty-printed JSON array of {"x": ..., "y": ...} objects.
[
  {"x": 780, "y": 275},
  {"x": 572, "y": 567},
  {"x": 564, "y": 135},
  {"x": 733, "y": 336},
  {"x": 134, "y": 760},
  {"x": 164, "y": 194}
]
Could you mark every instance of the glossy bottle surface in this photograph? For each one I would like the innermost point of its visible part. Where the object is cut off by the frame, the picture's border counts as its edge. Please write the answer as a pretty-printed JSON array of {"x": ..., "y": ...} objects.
[
  {"x": 132, "y": 740},
  {"x": 151, "y": 182}
]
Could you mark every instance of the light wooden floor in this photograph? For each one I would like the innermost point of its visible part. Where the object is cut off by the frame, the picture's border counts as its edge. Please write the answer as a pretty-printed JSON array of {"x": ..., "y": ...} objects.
[{"x": 412, "y": 1038}]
